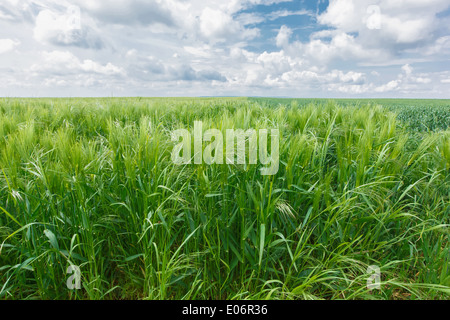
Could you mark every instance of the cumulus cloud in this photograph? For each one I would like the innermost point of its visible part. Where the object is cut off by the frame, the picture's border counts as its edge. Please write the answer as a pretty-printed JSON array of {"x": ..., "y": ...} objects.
[
  {"x": 342, "y": 46},
  {"x": 407, "y": 69},
  {"x": 129, "y": 12},
  {"x": 7, "y": 45},
  {"x": 441, "y": 47},
  {"x": 402, "y": 24},
  {"x": 390, "y": 86},
  {"x": 281, "y": 70},
  {"x": 216, "y": 24},
  {"x": 65, "y": 62},
  {"x": 407, "y": 81},
  {"x": 282, "y": 39},
  {"x": 149, "y": 68},
  {"x": 236, "y": 47},
  {"x": 65, "y": 29}
]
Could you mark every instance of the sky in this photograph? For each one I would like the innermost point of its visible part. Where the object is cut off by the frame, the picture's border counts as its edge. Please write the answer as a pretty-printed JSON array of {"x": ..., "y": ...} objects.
[{"x": 277, "y": 48}]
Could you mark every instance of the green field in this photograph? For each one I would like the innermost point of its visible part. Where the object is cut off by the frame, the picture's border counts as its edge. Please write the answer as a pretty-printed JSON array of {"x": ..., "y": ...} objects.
[{"x": 90, "y": 183}]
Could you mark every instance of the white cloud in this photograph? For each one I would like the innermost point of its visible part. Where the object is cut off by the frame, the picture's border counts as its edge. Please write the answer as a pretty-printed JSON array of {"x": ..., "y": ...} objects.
[
  {"x": 200, "y": 51},
  {"x": 392, "y": 85},
  {"x": 407, "y": 81},
  {"x": 64, "y": 62},
  {"x": 341, "y": 14},
  {"x": 65, "y": 28},
  {"x": 407, "y": 69},
  {"x": 7, "y": 45},
  {"x": 216, "y": 23},
  {"x": 143, "y": 67},
  {"x": 441, "y": 46},
  {"x": 213, "y": 21},
  {"x": 282, "y": 39},
  {"x": 423, "y": 80},
  {"x": 52, "y": 26},
  {"x": 403, "y": 24},
  {"x": 226, "y": 47},
  {"x": 129, "y": 12},
  {"x": 280, "y": 69},
  {"x": 351, "y": 89}
]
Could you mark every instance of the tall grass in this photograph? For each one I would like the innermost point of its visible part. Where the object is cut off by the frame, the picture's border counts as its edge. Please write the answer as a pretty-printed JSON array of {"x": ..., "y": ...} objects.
[{"x": 90, "y": 182}]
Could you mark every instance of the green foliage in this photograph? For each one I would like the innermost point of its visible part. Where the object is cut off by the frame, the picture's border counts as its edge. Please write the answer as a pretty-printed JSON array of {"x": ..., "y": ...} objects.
[
  {"x": 417, "y": 115},
  {"x": 90, "y": 182}
]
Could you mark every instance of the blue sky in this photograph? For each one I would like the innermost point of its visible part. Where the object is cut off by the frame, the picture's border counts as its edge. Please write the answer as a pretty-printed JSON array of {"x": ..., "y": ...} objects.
[{"x": 336, "y": 48}]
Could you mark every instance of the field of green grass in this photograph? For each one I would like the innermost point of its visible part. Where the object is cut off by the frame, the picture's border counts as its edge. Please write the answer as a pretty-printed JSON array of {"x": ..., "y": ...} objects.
[{"x": 90, "y": 183}]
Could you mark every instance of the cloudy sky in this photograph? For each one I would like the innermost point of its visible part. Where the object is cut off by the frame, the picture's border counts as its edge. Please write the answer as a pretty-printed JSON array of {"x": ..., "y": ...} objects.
[{"x": 336, "y": 48}]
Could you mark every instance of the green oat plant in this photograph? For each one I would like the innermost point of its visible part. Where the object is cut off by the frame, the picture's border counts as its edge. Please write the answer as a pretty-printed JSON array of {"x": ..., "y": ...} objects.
[{"x": 90, "y": 183}]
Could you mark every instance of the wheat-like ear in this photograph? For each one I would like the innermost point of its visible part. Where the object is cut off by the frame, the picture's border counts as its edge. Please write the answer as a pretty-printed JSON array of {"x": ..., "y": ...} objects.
[{"x": 285, "y": 209}]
